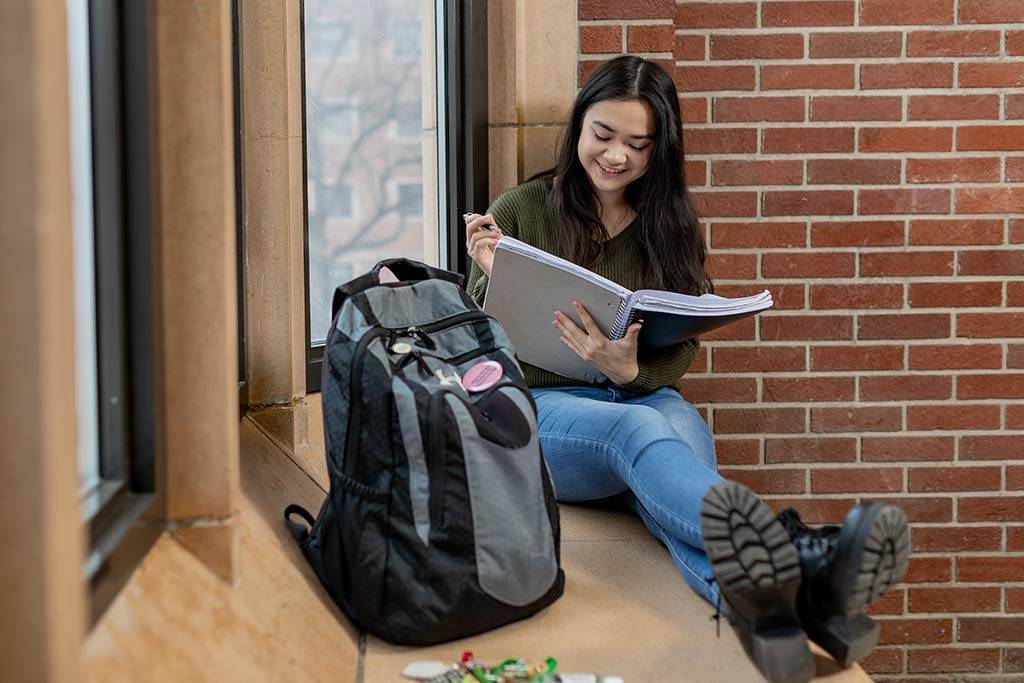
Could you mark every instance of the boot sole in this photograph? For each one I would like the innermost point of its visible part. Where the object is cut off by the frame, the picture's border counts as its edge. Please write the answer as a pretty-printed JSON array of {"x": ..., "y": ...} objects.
[
  {"x": 758, "y": 571},
  {"x": 874, "y": 549}
]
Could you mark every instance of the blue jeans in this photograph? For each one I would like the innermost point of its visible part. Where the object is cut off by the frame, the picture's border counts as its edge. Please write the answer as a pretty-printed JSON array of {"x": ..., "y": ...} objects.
[{"x": 654, "y": 450}]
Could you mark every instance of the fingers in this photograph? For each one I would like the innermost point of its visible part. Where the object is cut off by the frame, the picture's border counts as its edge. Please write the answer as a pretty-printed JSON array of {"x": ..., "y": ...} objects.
[
  {"x": 576, "y": 348},
  {"x": 475, "y": 225},
  {"x": 481, "y": 245},
  {"x": 588, "y": 323},
  {"x": 568, "y": 327}
]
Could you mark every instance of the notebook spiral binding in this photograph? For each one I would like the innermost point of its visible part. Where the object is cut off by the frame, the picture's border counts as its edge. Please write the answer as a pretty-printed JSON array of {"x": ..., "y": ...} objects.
[{"x": 623, "y": 319}]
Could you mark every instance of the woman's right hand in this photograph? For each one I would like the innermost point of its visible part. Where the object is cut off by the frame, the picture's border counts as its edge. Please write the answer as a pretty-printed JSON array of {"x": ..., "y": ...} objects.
[{"x": 480, "y": 243}]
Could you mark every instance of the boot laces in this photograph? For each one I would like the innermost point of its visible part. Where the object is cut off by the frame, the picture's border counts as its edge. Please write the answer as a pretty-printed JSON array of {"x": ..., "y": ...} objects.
[{"x": 815, "y": 546}]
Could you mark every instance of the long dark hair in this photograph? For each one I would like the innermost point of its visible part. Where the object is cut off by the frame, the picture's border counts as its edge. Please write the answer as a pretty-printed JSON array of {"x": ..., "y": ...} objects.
[{"x": 672, "y": 249}]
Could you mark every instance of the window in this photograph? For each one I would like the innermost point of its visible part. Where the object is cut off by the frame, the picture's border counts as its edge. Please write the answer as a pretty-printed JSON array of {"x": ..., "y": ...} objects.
[
  {"x": 406, "y": 37},
  {"x": 330, "y": 40},
  {"x": 409, "y": 125},
  {"x": 416, "y": 81},
  {"x": 410, "y": 199},
  {"x": 107, "y": 57}
]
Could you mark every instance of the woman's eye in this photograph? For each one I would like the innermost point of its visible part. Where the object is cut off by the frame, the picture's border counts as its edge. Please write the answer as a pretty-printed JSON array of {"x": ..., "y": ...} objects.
[
  {"x": 639, "y": 149},
  {"x": 601, "y": 138}
]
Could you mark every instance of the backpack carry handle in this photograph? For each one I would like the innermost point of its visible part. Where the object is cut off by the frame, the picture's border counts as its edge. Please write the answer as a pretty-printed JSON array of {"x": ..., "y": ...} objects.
[
  {"x": 300, "y": 532},
  {"x": 404, "y": 269}
]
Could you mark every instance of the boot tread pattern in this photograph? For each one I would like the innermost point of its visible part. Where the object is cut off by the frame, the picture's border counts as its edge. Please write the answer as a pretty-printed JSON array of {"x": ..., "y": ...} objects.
[
  {"x": 747, "y": 546},
  {"x": 885, "y": 558}
]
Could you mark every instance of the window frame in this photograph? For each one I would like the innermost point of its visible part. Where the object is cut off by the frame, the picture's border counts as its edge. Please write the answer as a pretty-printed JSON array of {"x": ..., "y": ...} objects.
[
  {"x": 461, "y": 67},
  {"x": 120, "y": 39}
]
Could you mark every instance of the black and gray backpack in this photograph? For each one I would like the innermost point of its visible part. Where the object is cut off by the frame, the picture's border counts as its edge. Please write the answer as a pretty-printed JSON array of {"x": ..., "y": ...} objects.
[{"x": 440, "y": 521}]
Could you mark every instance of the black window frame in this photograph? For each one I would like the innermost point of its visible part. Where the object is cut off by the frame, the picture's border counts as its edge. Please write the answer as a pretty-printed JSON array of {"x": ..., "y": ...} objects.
[
  {"x": 120, "y": 39},
  {"x": 464, "y": 48}
]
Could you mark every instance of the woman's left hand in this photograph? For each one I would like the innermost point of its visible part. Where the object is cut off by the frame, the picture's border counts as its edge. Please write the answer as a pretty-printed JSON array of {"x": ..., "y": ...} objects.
[{"x": 615, "y": 358}]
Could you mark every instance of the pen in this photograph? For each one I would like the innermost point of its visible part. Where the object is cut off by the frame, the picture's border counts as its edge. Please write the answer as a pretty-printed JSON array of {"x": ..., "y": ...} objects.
[{"x": 488, "y": 226}]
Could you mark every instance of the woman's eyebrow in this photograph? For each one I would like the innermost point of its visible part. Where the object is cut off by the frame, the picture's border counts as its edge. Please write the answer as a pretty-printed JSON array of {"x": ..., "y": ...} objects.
[{"x": 612, "y": 130}]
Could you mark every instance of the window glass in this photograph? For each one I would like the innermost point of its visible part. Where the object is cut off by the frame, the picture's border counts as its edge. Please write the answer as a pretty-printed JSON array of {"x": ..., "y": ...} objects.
[
  {"x": 371, "y": 143},
  {"x": 83, "y": 241}
]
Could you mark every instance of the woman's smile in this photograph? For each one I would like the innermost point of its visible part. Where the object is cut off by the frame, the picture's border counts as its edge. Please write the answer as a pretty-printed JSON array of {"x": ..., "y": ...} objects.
[
  {"x": 615, "y": 145},
  {"x": 611, "y": 172}
]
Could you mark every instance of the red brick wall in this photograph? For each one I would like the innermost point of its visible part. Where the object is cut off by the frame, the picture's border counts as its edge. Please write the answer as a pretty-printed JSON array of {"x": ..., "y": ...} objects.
[{"x": 864, "y": 161}]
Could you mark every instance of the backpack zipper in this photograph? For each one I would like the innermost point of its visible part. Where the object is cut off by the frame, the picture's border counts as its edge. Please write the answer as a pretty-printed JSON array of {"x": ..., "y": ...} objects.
[{"x": 355, "y": 382}]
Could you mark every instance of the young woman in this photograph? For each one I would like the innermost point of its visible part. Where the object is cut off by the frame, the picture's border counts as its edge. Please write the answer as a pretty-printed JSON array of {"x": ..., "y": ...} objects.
[{"x": 616, "y": 202}]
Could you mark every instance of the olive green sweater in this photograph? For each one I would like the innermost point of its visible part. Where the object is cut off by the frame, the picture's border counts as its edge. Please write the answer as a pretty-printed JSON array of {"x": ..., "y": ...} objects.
[{"x": 527, "y": 214}]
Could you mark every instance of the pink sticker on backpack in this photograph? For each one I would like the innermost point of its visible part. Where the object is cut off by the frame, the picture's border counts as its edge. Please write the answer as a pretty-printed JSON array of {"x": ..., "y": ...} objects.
[{"x": 483, "y": 375}]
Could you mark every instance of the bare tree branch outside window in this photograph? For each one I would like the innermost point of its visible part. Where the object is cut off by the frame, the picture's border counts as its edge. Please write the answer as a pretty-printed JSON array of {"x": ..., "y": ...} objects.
[{"x": 363, "y": 76}]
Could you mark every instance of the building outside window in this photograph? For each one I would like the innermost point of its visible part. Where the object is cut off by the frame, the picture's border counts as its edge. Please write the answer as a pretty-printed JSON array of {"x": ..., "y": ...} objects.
[{"x": 364, "y": 130}]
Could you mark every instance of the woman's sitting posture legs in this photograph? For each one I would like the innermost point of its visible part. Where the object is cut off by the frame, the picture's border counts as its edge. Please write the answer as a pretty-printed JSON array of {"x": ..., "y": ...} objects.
[{"x": 653, "y": 448}]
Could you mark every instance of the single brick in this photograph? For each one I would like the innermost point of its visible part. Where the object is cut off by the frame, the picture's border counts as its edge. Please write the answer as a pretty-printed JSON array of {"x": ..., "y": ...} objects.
[
  {"x": 857, "y": 480},
  {"x": 766, "y": 480},
  {"x": 759, "y": 420},
  {"x": 857, "y": 419},
  {"x": 857, "y": 234},
  {"x": 953, "y": 107},
  {"x": 860, "y": 357},
  {"x": 960, "y": 231},
  {"x": 903, "y": 326},
  {"x": 600, "y": 39},
  {"x": 956, "y": 294},
  {"x": 808, "y": 76},
  {"x": 906, "y": 12},
  {"x": 810, "y": 449},
  {"x": 954, "y": 170},
  {"x": 806, "y": 327},
  {"x": 760, "y": 234},
  {"x": 907, "y": 448},
  {"x": 916, "y": 631},
  {"x": 953, "y": 479},
  {"x": 902, "y": 202},
  {"x": 657, "y": 38},
  {"x": 808, "y": 203},
  {"x": 857, "y": 296},
  {"x": 906, "y": 263},
  {"x": 990, "y": 325},
  {"x": 948, "y": 660},
  {"x": 807, "y": 389},
  {"x": 809, "y": 264},
  {"x": 905, "y": 75},
  {"x": 856, "y": 44},
  {"x": 991, "y": 11},
  {"x": 953, "y": 43},
  {"x": 754, "y": 109},
  {"x": 758, "y": 359},
  {"x": 635, "y": 9},
  {"x": 993, "y": 447},
  {"x": 905, "y": 388},
  {"x": 952, "y": 417},
  {"x": 692, "y": 15},
  {"x": 947, "y": 539},
  {"x": 859, "y": 108},
  {"x": 807, "y": 13}
]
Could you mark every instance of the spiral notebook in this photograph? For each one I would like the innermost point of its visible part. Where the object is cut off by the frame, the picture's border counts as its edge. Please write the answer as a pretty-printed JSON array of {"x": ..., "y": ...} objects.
[{"x": 527, "y": 285}]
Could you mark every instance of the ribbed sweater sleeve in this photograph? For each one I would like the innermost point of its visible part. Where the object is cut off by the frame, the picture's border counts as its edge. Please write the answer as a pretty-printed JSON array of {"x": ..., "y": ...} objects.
[{"x": 526, "y": 213}]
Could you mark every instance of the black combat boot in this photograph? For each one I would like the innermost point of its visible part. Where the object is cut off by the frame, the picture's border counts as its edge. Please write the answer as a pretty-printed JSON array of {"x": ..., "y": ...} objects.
[
  {"x": 758, "y": 572},
  {"x": 845, "y": 568}
]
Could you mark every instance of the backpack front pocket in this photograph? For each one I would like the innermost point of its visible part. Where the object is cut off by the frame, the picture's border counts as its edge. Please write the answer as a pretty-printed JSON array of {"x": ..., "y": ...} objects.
[{"x": 515, "y": 550}]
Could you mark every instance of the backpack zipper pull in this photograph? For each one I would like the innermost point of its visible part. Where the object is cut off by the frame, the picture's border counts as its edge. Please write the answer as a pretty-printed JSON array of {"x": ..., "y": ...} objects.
[{"x": 423, "y": 336}]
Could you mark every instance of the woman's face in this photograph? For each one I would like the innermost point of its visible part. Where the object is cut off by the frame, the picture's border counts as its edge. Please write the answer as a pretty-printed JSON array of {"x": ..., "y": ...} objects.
[{"x": 615, "y": 143}]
